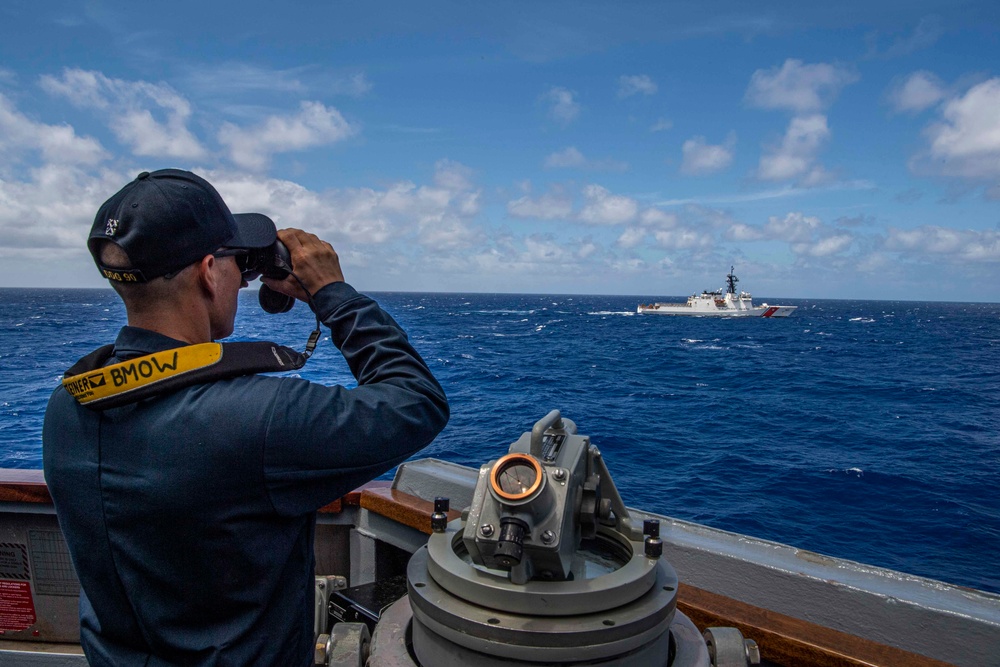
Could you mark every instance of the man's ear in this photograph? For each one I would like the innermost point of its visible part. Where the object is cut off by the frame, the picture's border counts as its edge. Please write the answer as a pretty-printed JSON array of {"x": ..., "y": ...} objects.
[{"x": 207, "y": 276}]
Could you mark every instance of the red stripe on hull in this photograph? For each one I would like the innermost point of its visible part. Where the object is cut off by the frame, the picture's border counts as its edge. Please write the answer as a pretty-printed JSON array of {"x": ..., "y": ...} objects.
[{"x": 770, "y": 311}]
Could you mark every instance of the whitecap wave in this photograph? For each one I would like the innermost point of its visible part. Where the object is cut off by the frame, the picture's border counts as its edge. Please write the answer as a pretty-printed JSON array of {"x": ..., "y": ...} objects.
[{"x": 852, "y": 472}]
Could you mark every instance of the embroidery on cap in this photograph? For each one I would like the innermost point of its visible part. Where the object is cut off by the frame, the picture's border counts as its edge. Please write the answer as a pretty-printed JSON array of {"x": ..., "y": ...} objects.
[{"x": 111, "y": 227}]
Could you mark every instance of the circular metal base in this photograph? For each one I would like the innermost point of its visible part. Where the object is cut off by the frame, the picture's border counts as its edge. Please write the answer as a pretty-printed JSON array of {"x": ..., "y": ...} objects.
[
  {"x": 391, "y": 646},
  {"x": 632, "y": 577},
  {"x": 533, "y": 638}
]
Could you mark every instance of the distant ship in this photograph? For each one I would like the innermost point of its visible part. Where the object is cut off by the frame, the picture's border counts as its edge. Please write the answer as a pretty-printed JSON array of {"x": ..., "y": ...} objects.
[{"x": 718, "y": 304}]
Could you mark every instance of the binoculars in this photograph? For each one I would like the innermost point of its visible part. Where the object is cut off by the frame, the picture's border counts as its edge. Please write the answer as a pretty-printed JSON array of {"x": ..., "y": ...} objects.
[{"x": 271, "y": 262}]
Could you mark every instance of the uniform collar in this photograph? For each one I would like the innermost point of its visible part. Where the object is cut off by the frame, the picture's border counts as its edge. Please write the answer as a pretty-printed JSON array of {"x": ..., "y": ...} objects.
[{"x": 135, "y": 342}]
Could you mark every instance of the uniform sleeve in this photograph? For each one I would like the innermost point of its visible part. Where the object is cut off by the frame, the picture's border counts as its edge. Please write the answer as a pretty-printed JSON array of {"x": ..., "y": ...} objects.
[{"x": 321, "y": 442}]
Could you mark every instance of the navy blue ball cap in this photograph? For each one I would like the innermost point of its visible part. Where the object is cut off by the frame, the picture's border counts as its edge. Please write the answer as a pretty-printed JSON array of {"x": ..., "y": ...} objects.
[
  {"x": 253, "y": 230},
  {"x": 168, "y": 219}
]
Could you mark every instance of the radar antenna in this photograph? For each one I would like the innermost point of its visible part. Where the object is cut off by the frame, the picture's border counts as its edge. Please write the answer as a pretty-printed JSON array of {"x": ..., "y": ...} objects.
[{"x": 731, "y": 281}]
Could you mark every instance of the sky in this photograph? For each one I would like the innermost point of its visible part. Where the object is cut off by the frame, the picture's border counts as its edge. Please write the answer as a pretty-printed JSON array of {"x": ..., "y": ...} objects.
[{"x": 847, "y": 151}]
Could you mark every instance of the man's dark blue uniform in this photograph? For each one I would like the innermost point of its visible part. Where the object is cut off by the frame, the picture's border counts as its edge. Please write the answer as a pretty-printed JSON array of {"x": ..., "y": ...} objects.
[{"x": 190, "y": 515}]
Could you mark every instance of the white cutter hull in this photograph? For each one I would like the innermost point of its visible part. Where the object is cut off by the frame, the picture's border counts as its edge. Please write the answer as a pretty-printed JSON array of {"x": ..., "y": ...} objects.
[
  {"x": 683, "y": 309},
  {"x": 718, "y": 303}
]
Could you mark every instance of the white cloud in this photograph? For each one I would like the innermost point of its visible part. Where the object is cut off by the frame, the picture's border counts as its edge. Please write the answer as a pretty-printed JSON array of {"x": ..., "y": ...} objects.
[
  {"x": 603, "y": 208},
  {"x": 654, "y": 217},
  {"x": 683, "y": 239},
  {"x": 793, "y": 228},
  {"x": 554, "y": 205},
  {"x": 571, "y": 157},
  {"x": 354, "y": 85},
  {"x": 916, "y": 92},
  {"x": 587, "y": 249},
  {"x": 806, "y": 235},
  {"x": 435, "y": 216},
  {"x": 360, "y": 215},
  {"x": 824, "y": 247},
  {"x": 564, "y": 108},
  {"x": 313, "y": 125},
  {"x": 628, "y": 265},
  {"x": 631, "y": 237},
  {"x": 964, "y": 245},
  {"x": 636, "y": 84},
  {"x": 85, "y": 89},
  {"x": 453, "y": 176},
  {"x": 661, "y": 125},
  {"x": 233, "y": 78},
  {"x": 798, "y": 87},
  {"x": 540, "y": 250},
  {"x": 447, "y": 233},
  {"x": 150, "y": 118},
  {"x": 228, "y": 80},
  {"x": 782, "y": 192},
  {"x": 56, "y": 143},
  {"x": 966, "y": 142},
  {"x": 53, "y": 208},
  {"x": 739, "y": 231},
  {"x": 149, "y": 136},
  {"x": 927, "y": 32},
  {"x": 796, "y": 155},
  {"x": 703, "y": 158},
  {"x": 600, "y": 207},
  {"x": 804, "y": 90},
  {"x": 519, "y": 261},
  {"x": 816, "y": 176}
]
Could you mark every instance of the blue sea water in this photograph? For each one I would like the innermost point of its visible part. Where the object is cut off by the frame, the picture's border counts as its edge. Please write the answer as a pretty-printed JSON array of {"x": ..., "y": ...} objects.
[{"x": 868, "y": 430}]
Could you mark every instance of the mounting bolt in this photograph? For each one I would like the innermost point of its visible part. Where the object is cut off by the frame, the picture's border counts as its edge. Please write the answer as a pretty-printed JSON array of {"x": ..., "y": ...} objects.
[
  {"x": 548, "y": 536},
  {"x": 439, "y": 519},
  {"x": 653, "y": 547},
  {"x": 653, "y": 544},
  {"x": 559, "y": 474},
  {"x": 486, "y": 529}
]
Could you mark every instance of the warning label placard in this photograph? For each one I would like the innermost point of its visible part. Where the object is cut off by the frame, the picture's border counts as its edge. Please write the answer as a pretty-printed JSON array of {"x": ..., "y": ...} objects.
[
  {"x": 13, "y": 560},
  {"x": 17, "y": 609}
]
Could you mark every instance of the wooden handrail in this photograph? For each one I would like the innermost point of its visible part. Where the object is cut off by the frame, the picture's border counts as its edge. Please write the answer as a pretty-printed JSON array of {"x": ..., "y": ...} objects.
[
  {"x": 785, "y": 640},
  {"x": 28, "y": 486},
  {"x": 23, "y": 486},
  {"x": 402, "y": 508}
]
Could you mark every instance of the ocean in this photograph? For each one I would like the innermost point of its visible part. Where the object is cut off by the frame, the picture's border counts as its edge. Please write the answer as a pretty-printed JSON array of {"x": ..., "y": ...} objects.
[{"x": 867, "y": 430}]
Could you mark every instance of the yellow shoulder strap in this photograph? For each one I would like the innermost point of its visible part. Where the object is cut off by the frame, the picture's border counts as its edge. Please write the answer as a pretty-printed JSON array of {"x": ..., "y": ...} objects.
[
  {"x": 100, "y": 387},
  {"x": 141, "y": 372}
]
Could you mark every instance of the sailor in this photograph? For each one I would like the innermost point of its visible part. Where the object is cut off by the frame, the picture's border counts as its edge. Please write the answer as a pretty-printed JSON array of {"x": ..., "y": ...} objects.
[{"x": 189, "y": 510}]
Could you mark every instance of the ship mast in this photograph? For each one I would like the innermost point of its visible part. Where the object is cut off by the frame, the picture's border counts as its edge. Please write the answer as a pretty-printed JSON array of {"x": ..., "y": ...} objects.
[{"x": 731, "y": 281}]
